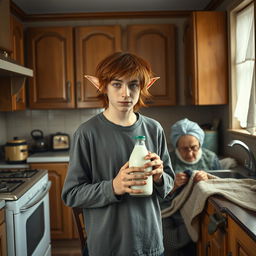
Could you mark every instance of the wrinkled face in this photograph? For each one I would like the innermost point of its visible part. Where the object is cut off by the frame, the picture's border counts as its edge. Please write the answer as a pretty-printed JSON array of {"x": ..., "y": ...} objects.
[
  {"x": 188, "y": 147},
  {"x": 123, "y": 94}
]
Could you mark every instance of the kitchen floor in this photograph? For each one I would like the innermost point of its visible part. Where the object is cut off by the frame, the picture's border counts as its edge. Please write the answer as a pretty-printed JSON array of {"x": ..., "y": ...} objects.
[{"x": 66, "y": 248}]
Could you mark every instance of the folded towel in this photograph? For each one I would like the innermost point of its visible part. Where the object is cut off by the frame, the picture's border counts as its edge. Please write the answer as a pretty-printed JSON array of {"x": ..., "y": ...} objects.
[{"x": 191, "y": 200}]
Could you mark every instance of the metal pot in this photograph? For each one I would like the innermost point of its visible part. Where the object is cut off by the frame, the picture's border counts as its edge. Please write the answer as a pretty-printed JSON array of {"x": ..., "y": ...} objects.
[
  {"x": 16, "y": 151},
  {"x": 39, "y": 142}
]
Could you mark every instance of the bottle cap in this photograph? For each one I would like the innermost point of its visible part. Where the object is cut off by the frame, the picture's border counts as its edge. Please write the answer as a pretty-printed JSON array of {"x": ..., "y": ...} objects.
[{"x": 140, "y": 137}]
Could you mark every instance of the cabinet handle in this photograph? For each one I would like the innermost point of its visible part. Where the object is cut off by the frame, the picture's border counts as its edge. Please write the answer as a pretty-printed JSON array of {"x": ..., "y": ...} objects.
[
  {"x": 78, "y": 86},
  {"x": 68, "y": 91},
  {"x": 217, "y": 221}
]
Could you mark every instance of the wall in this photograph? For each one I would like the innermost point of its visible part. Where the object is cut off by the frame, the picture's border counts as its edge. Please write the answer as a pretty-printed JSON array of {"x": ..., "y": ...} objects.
[{"x": 21, "y": 123}]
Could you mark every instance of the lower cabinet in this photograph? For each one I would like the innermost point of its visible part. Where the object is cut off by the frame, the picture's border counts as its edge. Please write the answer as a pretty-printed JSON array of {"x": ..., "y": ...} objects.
[
  {"x": 214, "y": 236},
  {"x": 222, "y": 236},
  {"x": 61, "y": 219},
  {"x": 240, "y": 243},
  {"x": 3, "y": 245}
]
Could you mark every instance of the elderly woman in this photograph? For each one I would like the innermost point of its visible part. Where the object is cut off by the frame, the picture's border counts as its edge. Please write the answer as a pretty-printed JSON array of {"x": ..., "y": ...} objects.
[{"x": 187, "y": 139}]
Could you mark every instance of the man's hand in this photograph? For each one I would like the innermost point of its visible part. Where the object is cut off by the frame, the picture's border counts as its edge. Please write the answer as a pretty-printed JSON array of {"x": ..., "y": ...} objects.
[
  {"x": 157, "y": 167},
  {"x": 127, "y": 177}
]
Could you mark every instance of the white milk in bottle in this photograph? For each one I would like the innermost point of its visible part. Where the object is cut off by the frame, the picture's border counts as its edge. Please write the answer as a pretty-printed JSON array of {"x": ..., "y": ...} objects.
[{"x": 137, "y": 159}]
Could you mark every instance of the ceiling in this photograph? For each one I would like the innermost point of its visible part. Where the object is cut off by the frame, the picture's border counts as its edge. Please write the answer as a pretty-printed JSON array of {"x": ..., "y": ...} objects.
[{"x": 92, "y": 6}]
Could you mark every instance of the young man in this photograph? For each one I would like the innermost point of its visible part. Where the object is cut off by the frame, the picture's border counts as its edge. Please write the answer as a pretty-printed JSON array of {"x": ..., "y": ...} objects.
[{"x": 99, "y": 179}]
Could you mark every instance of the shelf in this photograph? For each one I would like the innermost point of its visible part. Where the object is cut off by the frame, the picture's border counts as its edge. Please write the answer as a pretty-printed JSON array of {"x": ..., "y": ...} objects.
[{"x": 8, "y": 68}]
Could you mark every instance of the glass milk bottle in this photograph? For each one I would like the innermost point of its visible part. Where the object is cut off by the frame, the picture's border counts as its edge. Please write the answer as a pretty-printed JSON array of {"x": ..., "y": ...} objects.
[{"x": 137, "y": 159}]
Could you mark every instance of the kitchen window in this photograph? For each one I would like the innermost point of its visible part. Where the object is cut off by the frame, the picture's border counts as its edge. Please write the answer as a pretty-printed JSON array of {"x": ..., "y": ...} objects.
[{"x": 242, "y": 46}]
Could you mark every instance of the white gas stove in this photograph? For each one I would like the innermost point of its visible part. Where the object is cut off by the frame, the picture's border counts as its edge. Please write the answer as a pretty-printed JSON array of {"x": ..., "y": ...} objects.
[{"x": 26, "y": 195}]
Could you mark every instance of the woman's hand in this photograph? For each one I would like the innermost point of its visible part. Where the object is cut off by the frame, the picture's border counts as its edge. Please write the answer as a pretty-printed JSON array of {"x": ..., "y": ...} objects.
[
  {"x": 157, "y": 167},
  {"x": 127, "y": 177},
  {"x": 200, "y": 175},
  {"x": 181, "y": 179}
]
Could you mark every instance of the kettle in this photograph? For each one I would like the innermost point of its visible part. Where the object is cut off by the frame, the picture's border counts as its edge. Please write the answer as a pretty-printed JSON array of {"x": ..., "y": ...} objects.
[{"x": 39, "y": 143}]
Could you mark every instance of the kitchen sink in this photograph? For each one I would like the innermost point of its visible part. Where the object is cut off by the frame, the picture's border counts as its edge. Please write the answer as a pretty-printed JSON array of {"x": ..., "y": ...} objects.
[{"x": 227, "y": 174}]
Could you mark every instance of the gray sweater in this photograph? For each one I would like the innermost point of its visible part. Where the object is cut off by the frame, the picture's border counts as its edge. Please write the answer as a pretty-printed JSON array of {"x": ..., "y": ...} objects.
[{"x": 116, "y": 225}]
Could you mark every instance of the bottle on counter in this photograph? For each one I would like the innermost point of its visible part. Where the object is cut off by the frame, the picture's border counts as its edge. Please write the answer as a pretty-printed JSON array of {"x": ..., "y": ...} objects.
[{"x": 137, "y": 159}]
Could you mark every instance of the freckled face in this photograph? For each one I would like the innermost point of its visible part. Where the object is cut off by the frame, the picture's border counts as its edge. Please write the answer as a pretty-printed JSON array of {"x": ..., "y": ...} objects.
[{"x": 123, "y": 94}]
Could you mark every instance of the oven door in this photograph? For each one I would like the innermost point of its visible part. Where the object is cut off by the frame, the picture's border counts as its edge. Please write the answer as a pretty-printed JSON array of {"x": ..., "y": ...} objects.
[{"x": 31, "y": 227}]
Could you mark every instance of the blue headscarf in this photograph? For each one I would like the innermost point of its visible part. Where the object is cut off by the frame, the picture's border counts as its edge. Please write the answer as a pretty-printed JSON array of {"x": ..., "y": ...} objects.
[{"x": 186, "y": 127}]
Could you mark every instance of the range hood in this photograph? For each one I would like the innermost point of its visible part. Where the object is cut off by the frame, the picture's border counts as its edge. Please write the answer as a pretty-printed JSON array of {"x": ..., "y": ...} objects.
[{"x": 8, "y": 68}]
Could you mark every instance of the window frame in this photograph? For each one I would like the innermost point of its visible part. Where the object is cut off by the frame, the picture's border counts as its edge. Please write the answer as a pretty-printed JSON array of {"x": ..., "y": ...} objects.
[{"x": 232, "y": 11}]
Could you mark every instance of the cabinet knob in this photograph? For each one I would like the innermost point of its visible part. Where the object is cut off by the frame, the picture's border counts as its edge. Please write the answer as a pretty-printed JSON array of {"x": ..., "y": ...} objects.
[{"x": 217, "y": 221}]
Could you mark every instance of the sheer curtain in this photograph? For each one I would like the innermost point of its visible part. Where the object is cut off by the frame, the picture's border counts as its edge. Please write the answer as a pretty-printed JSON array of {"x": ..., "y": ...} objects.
[{"x": 245, "y": 110}]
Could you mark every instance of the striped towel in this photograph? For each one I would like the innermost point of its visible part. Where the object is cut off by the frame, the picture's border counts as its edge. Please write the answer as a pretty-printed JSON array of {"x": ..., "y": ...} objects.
[{"x": 191, "y": 200}]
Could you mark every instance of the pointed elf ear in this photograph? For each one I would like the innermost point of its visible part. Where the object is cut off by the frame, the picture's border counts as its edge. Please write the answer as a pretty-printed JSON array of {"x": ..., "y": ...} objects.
[
  {"x": 94, "y": 80},
  {"x": 152, "y": 81}
]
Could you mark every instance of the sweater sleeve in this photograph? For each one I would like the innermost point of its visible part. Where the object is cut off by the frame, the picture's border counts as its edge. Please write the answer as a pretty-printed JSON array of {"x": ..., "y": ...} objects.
[
  {"x": 168, "y": 175},
  {"x": 79, "y": 190}
]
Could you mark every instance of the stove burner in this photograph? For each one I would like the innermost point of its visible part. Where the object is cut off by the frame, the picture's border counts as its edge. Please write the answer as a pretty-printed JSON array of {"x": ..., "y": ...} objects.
[
  {"x": 10, "y": 185},
  {"x": 18, "y": 173}
]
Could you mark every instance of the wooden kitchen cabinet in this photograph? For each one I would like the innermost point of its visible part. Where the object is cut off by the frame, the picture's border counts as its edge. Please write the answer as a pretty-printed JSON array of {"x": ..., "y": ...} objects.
[
  {"x": 93, "y": 44},
  {"x": 5, "y": 26},
  {"x": 156, "y": 44},
  {"x": 61, "y": 219},
  {"x": 229, "y": 238},
  {"x": 240, "y": 244},
  {"x": 50, "y": 55},
  {"x": 206, "y": 66},
  {"x": 214, "y": 244},
  {"x": 3, "y": 244},
  {"x": 13, "y": 89}
]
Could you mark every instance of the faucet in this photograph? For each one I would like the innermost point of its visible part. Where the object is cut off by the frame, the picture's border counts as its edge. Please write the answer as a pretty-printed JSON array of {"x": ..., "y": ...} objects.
[{"x": 251, "y": 165}]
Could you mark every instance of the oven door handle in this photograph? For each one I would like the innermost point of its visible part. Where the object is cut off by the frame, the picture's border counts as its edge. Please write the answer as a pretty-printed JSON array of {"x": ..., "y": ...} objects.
[{"x": 42, "y": 195}]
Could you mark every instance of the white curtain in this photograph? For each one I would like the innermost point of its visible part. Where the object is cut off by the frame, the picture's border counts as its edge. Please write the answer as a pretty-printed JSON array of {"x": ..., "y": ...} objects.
[{"x": 245, "y": 110}]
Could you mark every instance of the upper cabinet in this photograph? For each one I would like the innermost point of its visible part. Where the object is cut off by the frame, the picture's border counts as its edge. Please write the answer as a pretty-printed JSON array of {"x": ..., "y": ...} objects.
[
  {"x": 50, "y": 55},
  {"x": 13, "y": 90},
  {"x": 92, "y": 45},
  {"x": 206, "y": 66},
  {"x": 156, "y": 44},
  {"x": 5, "y": 26}
]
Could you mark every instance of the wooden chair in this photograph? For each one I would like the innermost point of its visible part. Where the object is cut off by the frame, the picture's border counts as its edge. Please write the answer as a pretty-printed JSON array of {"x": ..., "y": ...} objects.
[{"x": 79, "y": 221}]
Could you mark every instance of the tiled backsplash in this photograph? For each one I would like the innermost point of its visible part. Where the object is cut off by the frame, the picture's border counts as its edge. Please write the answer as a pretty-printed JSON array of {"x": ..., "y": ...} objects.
[{"x": 21, "y": 123}]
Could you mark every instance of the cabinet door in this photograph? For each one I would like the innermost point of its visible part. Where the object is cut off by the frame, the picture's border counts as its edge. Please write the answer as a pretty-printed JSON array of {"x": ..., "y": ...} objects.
[
  {"x": 17, "y": 40},
  {"x": 206, "y": 74},
  {"x": 61, "y": 218},
  {"x": 19, "y": 99},
  {"x": 92, "y": 45},
  {"x": 5, "y": 27},
  {"x": 240, "y": 244},
  {"x": 156, "y": 44},
  {"x": 50, "y": 55},
  {"x": 13, "y": 93},
  {"x": 212, "y": 244}
]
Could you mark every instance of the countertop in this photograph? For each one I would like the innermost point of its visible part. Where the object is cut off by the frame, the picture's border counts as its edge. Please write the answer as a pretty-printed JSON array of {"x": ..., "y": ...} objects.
[
  {"x": 245, "y": 218},
  {"x": 49, "y": 157}
]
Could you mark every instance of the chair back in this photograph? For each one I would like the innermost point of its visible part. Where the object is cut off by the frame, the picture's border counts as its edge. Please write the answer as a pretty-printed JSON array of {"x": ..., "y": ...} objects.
[{"x": 79, "y": 221}]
